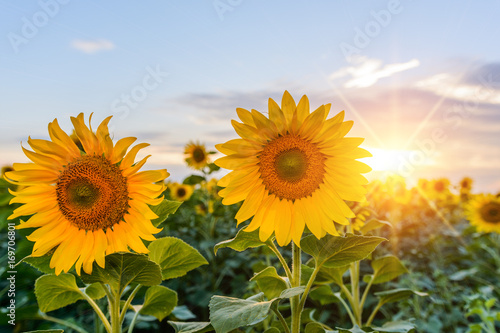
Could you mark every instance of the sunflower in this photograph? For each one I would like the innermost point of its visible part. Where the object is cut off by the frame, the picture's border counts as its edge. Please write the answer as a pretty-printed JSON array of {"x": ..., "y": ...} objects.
[
  {"x": 465, "y": 188},
  {"x": 85, "y": 203},
  {"x": 292, "y": 169},
  {"x": 197, "y": 155},
  {"x": 180, "y": 192},
  {"x": 439, "y": 189},
  {"x": 484, "y": 212}
]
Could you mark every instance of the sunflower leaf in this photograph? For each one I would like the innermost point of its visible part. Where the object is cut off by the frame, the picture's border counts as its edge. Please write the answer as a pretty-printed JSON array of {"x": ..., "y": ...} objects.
[
  {"x": 394, "y": 295},
  {"x": 191, "y": 327},
  {"x": 41, "y": 263},
  {"x": 122, "y": 269},
  {"x": 159, "y": 302},
  {"x": 327, "y": 275},
  {"x": 163, "y": 210},
  {"x": 193, "y": 180},
  {"x": 373, "y": 224},
  {"x": 228, "y": 313},
  {"x": 333, "y": 251},
  {"x": 175, "y": 257},
  {"x": 387, "y": 268},
  {"x": 241, "y": 242},
  {"x": 56, "y": 291},
  {"x": 270, "y": 282},
  {"x": 95, "y": 291},
  {"x": 315, "y": 327}
]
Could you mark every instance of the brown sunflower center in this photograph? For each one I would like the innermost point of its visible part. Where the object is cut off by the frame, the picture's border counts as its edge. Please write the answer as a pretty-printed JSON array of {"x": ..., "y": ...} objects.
[
  {"x": 439, "y": 186},
  {"x": 291, "y": 167},
  {"x": 92, "y": 193},
  {"x": 181, "y": 192},
  {"x": 198, "y": 155},
  {"x": 490, "y": 212}
]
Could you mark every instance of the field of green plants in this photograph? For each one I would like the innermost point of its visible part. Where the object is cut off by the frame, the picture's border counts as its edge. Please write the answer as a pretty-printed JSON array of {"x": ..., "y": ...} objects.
[{"x": 435, "y": 272}]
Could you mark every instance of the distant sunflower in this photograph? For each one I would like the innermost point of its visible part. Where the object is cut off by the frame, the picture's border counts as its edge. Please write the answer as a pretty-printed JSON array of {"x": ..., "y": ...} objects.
[
  {"x": 465, "y": 188},
  {"x": 85, "y": 203},
  {"x": 292, "y": 169},
  {"x": 196, "y": 155},
  {"x": 484, "y": 212},
  {"x": 439, "y": 189},
  {"x": 180, "y": 192}
]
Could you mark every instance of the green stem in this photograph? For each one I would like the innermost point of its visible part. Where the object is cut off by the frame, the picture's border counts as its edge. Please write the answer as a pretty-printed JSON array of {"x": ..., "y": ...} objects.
[
  {"x": 64, "y": 322},
  {"x": 282, "y": 260},
  {"x": 296, "y": 266},
  {"x": 354, "y": 270},
  {"x": 116, "y": 325},
  {"x": 348, "y": 310},
  {"x": 372, "y": 316},
  {"x": 127, "y": 303},
  {"x": 132, "y": 323},
  {"x": 97, "y": 310},
  {"x": 351, "y": 302},
  {"x": 365, "y": 293},
  {"x": 281, "y": 319},
  {"x": 308, "y": 287}
]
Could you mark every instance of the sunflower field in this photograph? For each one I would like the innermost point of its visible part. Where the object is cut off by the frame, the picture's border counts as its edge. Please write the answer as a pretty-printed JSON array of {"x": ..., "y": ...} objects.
[{"x": 278, "y": 231}]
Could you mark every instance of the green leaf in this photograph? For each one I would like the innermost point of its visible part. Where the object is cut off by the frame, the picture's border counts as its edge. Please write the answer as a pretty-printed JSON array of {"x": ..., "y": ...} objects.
[
  {"x": 317, "y": 328},
  {"x": 395, "y": 295},
  {"x": 327, "y": 275},
  {"x": 175, "y": 257},
  {"x": 122, "y": 269},
  {"x": 272, "y": 330},
  {"x": 192, "y": 327},
  {"x": 228, "y": 313},
  {"x": 290, "y": 292},
  {"x": 95, "y": 291},
  {"x": 463, "y": 274},
  {"x": 159, "y": 302},
  {"x": 270, "y": 282},
  {"x": 305, "y": 274},
  {"x": 41, "y": 263},
  {"x": 213, "y": 167},
  {"x": 193, "y": 180},
  {"x": 56, "y": 291},
  {"x": 241, "y": 242},
  {"x": 323, "y": 294},
  {"x": 333, "y": 251},
  {"x": 387, "y": 268},
  {"x": 163, "y": 210},
  {"x": 182, "y": 312},
  {"x": 398, "y": 326},
  {"x": 373, "y": 224}
]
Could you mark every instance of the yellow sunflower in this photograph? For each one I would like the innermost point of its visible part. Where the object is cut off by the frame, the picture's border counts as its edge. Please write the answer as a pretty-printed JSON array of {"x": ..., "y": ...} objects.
[
  {"x": 292, "y": 169},
  {"x": 196, "y": 155},
  {"x": 180, "y": 192},
  {"x": 85, "y": 203},
  {"x": 484, "y": 212}
]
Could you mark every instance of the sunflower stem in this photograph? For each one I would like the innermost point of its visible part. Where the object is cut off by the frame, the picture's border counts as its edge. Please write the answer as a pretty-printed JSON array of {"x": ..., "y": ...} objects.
[
  {"x": 132, "y": 323},
  {"x": 98, "y": 311},
  {"x": 63, "y": 322},
  {"x": 127, "y": 303},
  {"x": 116, "y": 325},
  {"x": 295, "y": 300},
  {"x": 282, "y": 260}
]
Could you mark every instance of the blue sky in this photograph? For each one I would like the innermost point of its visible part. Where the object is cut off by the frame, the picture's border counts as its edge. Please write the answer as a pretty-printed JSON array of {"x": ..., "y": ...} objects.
[{"x": 421, "y": 79}]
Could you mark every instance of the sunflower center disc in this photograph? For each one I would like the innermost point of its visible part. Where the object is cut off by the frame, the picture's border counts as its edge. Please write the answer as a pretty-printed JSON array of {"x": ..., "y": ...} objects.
[
  {"x": 198, "y": 155},
  {"x": 181, "y": 192},
  {"x": 92, "y": 193},
  {"x": 439, "y": 186},
  {"x": 491, "y": 212},
  {"x": 291, "y": 167}
]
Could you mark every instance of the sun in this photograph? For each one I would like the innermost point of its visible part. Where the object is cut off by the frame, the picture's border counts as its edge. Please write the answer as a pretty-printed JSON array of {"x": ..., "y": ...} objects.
[{"x": 391, "y": 160}]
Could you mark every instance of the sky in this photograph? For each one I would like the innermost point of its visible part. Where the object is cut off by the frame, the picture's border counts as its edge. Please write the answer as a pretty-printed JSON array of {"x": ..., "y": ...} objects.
[{"x": 420, "y": 79}]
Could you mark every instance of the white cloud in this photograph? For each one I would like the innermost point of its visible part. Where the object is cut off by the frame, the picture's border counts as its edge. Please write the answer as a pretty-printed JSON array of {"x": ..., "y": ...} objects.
[
  {"x": 366, "y": 72},
  {"x": 92, "y": 46},
  {"x": 452, "y": 86}
]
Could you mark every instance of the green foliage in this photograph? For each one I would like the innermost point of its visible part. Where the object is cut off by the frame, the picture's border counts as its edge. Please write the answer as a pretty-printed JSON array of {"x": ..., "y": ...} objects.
[
  {"x": 56, "y": 291},
  {"x": 159, "y": 302},
  {"x": 175, "y": 257},
  {"x": 270, "y": 282},
  {"x": 122, "y": 269},
  {"x": 243, "y": 240},
  {"x": 332, "y": 251},
  {"x": 163, "y": 210},
  {"x": 192, "y": 327},
  {"x": 386, "y": 269}
]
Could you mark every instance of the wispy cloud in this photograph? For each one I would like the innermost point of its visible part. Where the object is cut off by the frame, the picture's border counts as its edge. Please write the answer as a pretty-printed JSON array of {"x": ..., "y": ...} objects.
[
  {"x": 92, "y": 46},
  {"x": 366, "y": 72}
]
